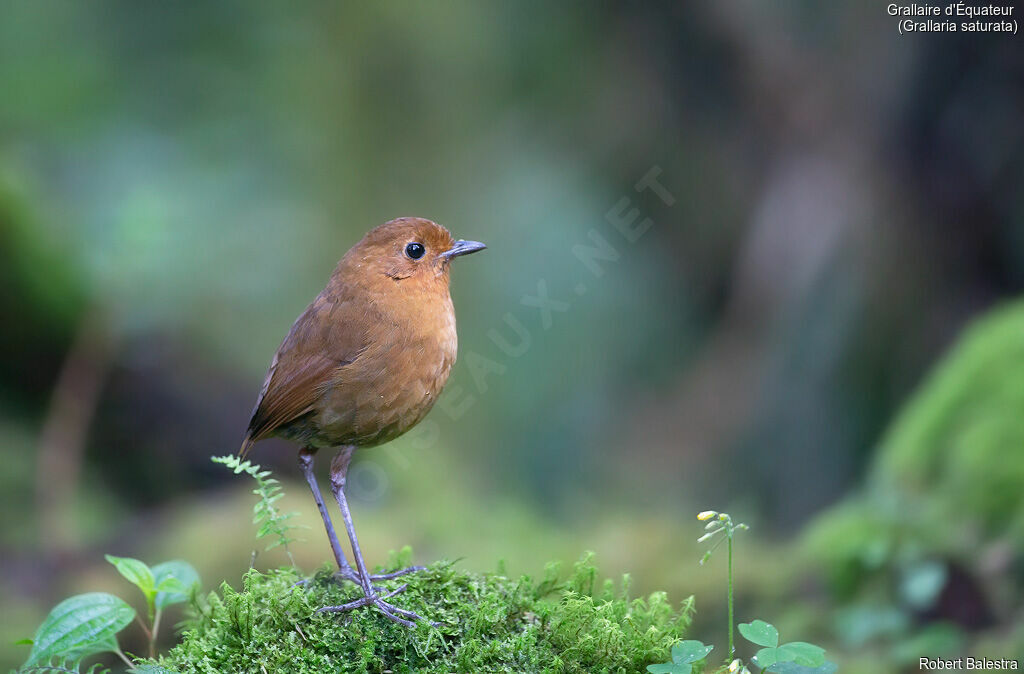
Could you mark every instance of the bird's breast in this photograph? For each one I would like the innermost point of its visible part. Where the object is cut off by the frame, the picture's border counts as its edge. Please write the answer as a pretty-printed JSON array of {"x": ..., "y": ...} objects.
[{"x": 394, "y": 383}]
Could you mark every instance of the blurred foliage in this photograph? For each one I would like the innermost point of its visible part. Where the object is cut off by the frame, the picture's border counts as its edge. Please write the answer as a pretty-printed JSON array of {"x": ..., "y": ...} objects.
[
  {"x": 42, "y": 297},
  {"x": 489, "y": 623},
  {"x": 938, "y": 532},
  {"x": 88, "y": 624},
  {"x": 959, "y": 443}
]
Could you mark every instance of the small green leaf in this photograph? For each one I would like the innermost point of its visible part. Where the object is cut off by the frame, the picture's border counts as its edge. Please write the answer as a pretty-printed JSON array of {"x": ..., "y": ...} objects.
[
  {"x": 766, "y": 657},
  {"x": 760, "y": 633},
  {"x": 137, "y": 572},
  {"x": 686, "y": 652},
  {"x": 669, "y": 668},
  {"x": 793, "y": 668},
  {"x": 802, "y": 653},
  {"x": 174, "y": 580},
  {"x": 79, "y": 626},
  {"x": 170, "y": 584}
]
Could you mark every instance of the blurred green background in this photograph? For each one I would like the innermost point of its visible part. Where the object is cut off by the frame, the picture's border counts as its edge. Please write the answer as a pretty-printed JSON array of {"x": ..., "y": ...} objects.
[{"x": 784, "y": 341}]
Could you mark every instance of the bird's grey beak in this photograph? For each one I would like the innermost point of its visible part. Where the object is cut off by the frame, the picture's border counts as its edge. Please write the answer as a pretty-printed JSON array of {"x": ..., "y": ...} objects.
[{"x": 462, "y": 247}]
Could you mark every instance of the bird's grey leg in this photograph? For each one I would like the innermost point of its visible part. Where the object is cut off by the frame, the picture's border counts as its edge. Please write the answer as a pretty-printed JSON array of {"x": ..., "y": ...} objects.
[
  {"x": 345, "y": 571},
  {"x": 339, "y": 471},
  {"x": 306, "y": 464}
]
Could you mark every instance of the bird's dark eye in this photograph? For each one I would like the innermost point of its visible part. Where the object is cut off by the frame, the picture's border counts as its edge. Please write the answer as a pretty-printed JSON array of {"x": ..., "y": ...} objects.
[{"x": 415, "y": 250}]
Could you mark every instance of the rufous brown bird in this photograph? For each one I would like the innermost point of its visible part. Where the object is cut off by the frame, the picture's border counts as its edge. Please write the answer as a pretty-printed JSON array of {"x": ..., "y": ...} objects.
[{"x": 362, "y": 365}]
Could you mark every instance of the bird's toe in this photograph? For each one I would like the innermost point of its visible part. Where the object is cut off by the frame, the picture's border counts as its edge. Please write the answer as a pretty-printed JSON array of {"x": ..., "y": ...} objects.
[
  {"x": 397, "y": 574},
  {"x": 377, "y": 600},
  {"x": 346, "y": 575}
]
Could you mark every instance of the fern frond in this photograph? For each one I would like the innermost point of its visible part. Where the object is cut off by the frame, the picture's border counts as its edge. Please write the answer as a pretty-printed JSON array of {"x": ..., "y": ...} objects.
[{"x": 272, "y": 522}]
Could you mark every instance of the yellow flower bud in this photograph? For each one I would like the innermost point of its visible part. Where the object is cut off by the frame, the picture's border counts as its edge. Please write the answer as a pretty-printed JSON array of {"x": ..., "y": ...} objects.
[
  {"x": 706, "y": 515},
  {"x": 734, "y": 665}
]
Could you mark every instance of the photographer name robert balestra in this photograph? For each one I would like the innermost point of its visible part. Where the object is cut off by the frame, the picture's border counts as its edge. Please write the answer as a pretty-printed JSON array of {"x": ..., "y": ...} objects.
[{"x": 983, "y": 664}]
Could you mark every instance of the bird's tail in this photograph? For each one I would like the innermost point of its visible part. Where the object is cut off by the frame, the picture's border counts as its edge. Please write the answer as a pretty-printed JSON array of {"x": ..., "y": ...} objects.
[{"x": 247, "y": 444}]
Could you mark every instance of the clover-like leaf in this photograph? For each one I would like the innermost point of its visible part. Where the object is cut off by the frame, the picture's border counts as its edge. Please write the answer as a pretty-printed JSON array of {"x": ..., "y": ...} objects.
[
  {"x": 136, "y": 572},
  {"x": 686, "y": 652},
  {"x": 79, "y": 626},
  {"x": 760, "y": 633},
  {"x": 766, "y": 657},
  {"x": 802, "y": 653},
  {"x": 174, "y": 580},
  {"x": 793, "y": 668},
  {"x": 670, "y": 668}
]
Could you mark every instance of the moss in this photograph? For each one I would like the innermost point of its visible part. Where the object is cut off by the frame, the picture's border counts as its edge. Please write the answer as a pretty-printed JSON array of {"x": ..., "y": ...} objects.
[
  {"x": 948, "y": 474},
  {"x": 491, "y": 623},
  {"x": 958, "y": 441},
  {"x": 909, "y": 557}
]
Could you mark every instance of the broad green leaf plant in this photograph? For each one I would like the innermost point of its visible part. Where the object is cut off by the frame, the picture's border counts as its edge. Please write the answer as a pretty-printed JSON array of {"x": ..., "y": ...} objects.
[
  {"x": 88, "y": 624},
  {"x": 83, "y": 625},
  {"x": 795, "y": 657},
  {"x": 163, "y": 585}
]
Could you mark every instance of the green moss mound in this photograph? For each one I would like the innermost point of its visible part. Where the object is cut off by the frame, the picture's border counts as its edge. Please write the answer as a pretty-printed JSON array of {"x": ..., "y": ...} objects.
[
  {"x": 949, "y": 471},
  {"x": 944, "y": 494},
  {"x": 961, "y": 438},
  {"x": 491, "y": 623}
]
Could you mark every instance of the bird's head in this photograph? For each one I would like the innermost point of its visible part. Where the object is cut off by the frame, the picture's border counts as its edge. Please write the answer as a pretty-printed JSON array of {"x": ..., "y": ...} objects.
[{"x": 409, "y": 248}]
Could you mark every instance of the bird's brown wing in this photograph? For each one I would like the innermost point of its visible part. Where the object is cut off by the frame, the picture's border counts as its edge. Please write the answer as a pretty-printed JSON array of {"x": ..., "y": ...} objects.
[{"x": 320, "y": 342}]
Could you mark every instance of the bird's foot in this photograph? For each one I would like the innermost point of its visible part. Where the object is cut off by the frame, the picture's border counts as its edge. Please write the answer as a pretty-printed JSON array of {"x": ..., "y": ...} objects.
[
  {"x": 392, "y": 612},
  {"x": 397, "y": 574},
  {"x": 351, "y": 575},
  {"x": 348, "y": 574}
]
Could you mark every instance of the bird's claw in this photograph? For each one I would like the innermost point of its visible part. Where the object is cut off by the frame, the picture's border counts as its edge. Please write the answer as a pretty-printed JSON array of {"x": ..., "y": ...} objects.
[
  {"x": 352, "y": 576},
  {"x": 392, "y": 612},
  {"x": 397, "y": 574}
]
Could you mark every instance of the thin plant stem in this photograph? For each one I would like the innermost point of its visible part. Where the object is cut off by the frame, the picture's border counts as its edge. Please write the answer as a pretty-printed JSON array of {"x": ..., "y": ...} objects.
[
  {"x": 151, "y": 632},
  {"x": 145, "y": 628},
  {"x": 732, "y": 649},
  {"x": 152, "y": 637},
  {"x": 120, "y": 654},
  {"x": 722, "y": 523}
]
